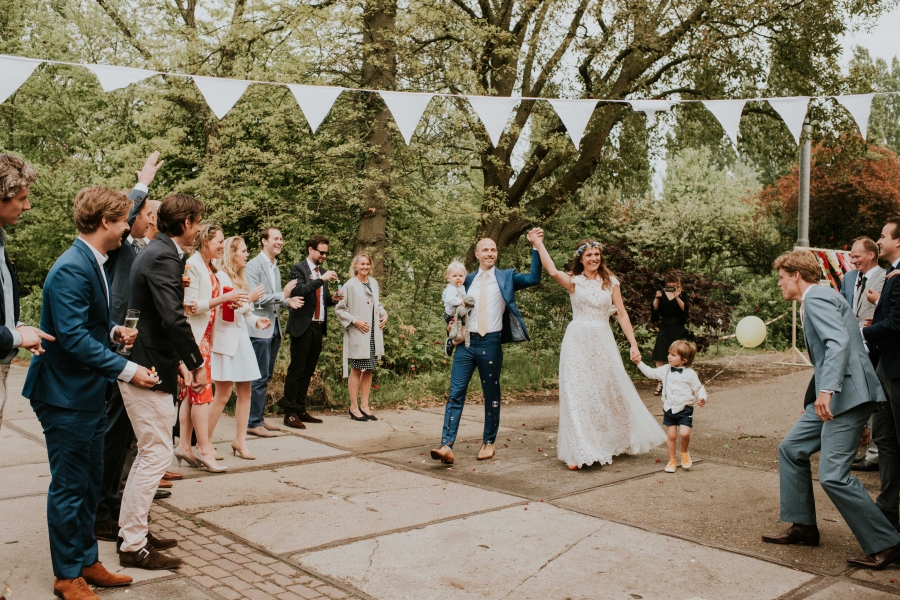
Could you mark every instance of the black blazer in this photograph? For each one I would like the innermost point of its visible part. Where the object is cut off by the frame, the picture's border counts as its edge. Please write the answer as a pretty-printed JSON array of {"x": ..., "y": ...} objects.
[
  {"x": 164, "y": 335},
  {"x": 6, "y": 337},
  {"x": 300, "y": 318},
  {"x": 119, "y": 265},
  {"x": 883, "y": 335}
]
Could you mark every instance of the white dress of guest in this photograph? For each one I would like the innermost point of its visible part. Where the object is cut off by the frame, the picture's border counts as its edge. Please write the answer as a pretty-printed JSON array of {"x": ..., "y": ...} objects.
[
  {"x": 233, "y": 358},
  {"x": 601, "y": 414}
]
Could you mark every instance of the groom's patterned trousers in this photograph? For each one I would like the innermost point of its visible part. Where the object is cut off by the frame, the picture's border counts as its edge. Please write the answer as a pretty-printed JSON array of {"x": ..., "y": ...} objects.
[{"x": 484, "y": 353}]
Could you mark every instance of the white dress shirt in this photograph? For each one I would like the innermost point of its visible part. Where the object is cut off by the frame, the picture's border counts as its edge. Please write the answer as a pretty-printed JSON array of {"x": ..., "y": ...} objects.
[
  {"x": 496, "y": 306},
  {"x": 131, "y": 367},
  {"x": 273, "y": 265},
  {"x": 679, "y": 389},
  {"x": 313, "y": 275}
]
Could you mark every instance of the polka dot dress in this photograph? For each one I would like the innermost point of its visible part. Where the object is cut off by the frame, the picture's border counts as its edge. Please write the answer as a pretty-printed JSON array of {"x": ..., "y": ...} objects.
[{"x": 367, "y": 364}]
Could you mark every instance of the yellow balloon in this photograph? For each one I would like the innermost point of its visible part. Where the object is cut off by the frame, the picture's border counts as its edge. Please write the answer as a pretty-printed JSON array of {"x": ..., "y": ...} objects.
[{"x": 750, "y": 332}]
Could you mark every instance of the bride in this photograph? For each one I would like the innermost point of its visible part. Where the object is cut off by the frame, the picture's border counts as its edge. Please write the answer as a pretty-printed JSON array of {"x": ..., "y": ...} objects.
[{"x": 600, "y": 412}]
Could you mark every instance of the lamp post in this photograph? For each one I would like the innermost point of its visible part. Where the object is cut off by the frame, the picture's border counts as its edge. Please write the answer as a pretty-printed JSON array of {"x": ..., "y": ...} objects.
[{"x": 803, "y": 200}]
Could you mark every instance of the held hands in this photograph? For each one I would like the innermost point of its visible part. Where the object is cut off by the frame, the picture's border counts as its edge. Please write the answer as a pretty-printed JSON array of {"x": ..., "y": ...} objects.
[
  {"x": 823, "y": 400},
  {"x": 148, "y": 172},
  {"x": 289, "y": 288},
  {"x": 701, "y": 402},
  {"x": 383, "y": 321},
  {"x": 31, "y": 339},
  {"x": 362, "y": 326},
  {"x": 125, "y": 336},
  {"x": 185, "y": 379},
  {"x": 263, "y": 323},
  {"x": 635, "y": 354},
  {"x": 535, "y": 236},
  {"x": 295, "y": 302},
  {"x": 256, "y": 293},
  {"x": 145, "y": 378},
  {"x": 199, "y": 380}
]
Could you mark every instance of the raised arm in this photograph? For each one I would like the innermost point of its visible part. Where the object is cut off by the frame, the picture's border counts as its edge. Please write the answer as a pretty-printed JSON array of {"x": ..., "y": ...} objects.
[{"x": 536, "y": 237}]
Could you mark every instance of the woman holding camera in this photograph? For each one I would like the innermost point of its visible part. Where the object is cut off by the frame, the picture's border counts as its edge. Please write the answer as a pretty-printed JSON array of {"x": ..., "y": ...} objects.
[{"x": 670, "y": 309}]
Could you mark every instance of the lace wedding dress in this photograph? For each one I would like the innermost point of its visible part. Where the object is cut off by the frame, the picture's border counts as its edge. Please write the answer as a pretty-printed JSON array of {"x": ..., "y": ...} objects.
[{"x": 600, "y": 412}]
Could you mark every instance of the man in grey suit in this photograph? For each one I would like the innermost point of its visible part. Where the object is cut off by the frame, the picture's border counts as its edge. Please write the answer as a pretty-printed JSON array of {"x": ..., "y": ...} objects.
[
  {"x": 263, "y": 270},
  {"x": 848, "y": 391},
  {"x": 855, "y": 287}
]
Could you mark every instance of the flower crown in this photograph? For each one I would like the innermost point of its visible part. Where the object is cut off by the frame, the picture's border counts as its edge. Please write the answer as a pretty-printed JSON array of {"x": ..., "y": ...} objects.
[{"x": 581, "y": 249}]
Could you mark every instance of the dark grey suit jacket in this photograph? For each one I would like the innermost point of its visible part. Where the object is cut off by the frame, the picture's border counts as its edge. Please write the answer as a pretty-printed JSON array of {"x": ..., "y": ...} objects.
[{"x": 119, "y": 265}]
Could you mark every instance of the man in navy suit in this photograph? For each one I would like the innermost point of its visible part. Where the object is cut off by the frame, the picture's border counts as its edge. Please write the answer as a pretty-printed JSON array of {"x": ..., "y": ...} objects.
[
  {"x": 67, "y": 387},
  {"x": 495, "y": 320}
]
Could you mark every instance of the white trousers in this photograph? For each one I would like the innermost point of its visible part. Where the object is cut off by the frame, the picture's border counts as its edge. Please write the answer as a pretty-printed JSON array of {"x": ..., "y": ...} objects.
[
  {"x": 4, "y": 373},
  {"x": 152, "y": 416}
]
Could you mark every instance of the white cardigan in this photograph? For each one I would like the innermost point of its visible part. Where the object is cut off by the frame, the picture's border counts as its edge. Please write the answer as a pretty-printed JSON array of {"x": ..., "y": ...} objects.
[
  {"x": 228, "y": 333},
  {"x": 200, "y": 291}
]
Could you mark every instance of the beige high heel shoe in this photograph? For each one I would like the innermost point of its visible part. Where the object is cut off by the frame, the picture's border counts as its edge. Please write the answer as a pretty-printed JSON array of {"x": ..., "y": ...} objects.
[
  {"x": 237, "y": 451},
  {"x": 191, "y": 460},
  {"x": 211, "y": 465}
]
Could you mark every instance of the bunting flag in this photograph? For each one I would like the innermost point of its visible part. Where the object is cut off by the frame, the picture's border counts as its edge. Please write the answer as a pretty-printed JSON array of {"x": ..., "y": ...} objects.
[
  {"x": 406, "y": 108},
  {"x": 14, "y": 71},
  {"x": 220, "y": 94},
  {"x": 575, "y": 115},
  {"x": 860, "y": 107},
  {"x": 728, "y": 113},
  {"x": 114, "y": 78},
  {"x": 494, "y": 112},
  {"x": 650, "y": 108},
  {"x": 315, "y": 101},
  {"x": 792, "y": 112}
]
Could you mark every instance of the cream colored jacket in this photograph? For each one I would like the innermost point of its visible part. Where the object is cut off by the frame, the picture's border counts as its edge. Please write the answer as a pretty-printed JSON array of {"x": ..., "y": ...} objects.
[{"x": 356, "y": 305}]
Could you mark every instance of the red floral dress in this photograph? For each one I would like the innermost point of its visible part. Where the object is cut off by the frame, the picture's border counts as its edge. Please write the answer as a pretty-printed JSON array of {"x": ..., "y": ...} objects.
[{"x": 206, "y": 396}]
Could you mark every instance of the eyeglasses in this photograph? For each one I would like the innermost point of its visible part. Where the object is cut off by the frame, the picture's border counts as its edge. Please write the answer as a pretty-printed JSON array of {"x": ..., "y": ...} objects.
[{"x": 322, "y": 253}]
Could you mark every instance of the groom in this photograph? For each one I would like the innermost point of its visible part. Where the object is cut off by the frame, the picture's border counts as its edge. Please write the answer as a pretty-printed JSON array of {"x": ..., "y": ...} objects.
[
  {"x": 847, "y": 393},
  {"x": 493, "y": 321}
]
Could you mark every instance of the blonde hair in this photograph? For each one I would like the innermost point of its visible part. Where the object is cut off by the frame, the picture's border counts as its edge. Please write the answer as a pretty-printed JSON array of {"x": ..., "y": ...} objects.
[
  {"x": 228, "y": 265},
  {"x": 206, "y": 234},
  {"x": 359, "y": 256},
  {"x": 800, "y": 261},
  {"x": 15, "y": 175},
  {"x": 455, "y": 264},
  {"x": 685, "y": 349}
]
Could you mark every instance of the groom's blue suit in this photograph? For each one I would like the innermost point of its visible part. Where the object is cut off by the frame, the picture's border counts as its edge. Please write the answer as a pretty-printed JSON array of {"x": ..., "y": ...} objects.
[{"x": 486, "y": 354}]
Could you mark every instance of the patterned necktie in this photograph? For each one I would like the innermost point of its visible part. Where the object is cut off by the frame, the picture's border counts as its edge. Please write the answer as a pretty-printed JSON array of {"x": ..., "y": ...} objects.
[
  {"x": 482, "y": 305},
  {"x": 137, "y": 249},
  {"x": 318, "y": 312}
]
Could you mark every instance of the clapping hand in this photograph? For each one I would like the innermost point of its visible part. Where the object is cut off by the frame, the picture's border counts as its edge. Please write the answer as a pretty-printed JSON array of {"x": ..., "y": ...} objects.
[
  {"x": 295, "y": 302},
  {"x": 289, "y": 288},
  {"x": 263, "y": 323},
  {"x": 31, "y": 339}
]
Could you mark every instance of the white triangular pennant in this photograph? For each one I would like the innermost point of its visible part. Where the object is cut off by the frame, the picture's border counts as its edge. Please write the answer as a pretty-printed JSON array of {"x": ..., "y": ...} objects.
[
  {"x": 113, "y": 78},
  {"x": 860, "y": 106},
  {"x": 575, "y": 115},
  {"x": 14, "y": 71},
  {"x": 315, "y": 101},
  {"x": 406, "y": 108},
  {"x": 494, "y": 113},
  {"x": 793, "y": 113},
  {"x": 728, "y": 113},
  {"x": 650, "y": 108},
  {"x": 221, "y": 94}
]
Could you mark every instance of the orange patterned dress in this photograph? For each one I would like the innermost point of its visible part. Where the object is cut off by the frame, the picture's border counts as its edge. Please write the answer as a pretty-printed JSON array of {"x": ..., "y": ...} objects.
[{"x": 206, "y": 396}]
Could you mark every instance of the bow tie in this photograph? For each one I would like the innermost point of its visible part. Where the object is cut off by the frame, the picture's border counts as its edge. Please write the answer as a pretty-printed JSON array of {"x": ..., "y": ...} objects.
[{"x": 677, "y": 370}]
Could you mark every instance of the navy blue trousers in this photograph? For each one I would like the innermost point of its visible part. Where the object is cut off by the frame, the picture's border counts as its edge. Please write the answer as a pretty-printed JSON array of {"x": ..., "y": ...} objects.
[
  {"x": 266, "y": 350},
  {"x": 486, "y": 355},
  {"x": 75, "y": 449}
]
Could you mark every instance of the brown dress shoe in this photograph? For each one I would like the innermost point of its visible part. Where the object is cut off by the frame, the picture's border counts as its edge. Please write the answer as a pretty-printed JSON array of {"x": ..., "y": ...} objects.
[
  {"x": 877, "y": 561},
  {"x": 170, "y": 476},
  {"x": 73, "y": 589},
  {"x": 96, "y": 574},
  {"x": 486, "y": 452},
  {"x": 164, "y": 484},
  {"x": 807, "y": 535},
  {"x": 308, "y": 418},
  {"x": 443, "y": 454},
  {"x": 106, "y": 530},
  {"x": 153, "y": 541},
  {"x": 261, "y": 432},
  {"x": 148, "y": 558},
  {"x": 294, "y": 422}
]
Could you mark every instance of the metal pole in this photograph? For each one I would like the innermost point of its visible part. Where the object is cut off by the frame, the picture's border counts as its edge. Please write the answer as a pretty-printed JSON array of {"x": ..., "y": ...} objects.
[{"x": 803, "y": 203}]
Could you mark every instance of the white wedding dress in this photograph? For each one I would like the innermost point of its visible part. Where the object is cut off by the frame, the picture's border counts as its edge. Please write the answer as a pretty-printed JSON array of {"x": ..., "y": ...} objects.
[{"x": 600, "y": 412}]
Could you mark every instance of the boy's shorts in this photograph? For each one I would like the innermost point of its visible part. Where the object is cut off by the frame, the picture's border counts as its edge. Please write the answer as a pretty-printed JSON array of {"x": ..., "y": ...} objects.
[{"x": 683, "y": 417}]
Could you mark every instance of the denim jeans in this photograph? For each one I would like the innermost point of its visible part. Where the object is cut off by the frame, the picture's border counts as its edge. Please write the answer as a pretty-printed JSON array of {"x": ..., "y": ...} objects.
[
  {"x": 266, "y": 350},
  {"x": 485, "y": 354}
]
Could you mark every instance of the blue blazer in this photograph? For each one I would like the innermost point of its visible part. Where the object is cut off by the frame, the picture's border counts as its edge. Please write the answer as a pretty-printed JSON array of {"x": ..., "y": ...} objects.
[
  {"x": 74, "y": 370},
  {"x": 510, "y": 282}
]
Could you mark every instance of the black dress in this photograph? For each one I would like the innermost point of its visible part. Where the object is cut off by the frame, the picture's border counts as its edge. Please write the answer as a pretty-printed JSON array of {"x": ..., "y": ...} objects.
[{"x": 672, "y": 325}]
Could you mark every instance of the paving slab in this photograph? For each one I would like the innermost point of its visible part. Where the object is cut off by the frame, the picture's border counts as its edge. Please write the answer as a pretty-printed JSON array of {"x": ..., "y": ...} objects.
[
  {"x": 537, "y": 415},
  {"x": 722, "y": 505},
  {"x": 268, "y": 451},
  {"x": 16, "y": 407},
  {"x": 306, "y": 506},
  {"x": 541, "y": 551},
  {"x": 845, "y": 590},
  {"x": 889, "y": 577},
  {"x": 24, "y": 480},
  {"x": 393, "y": 429},
  {"x": 171, "y": 588},
  {"x": 16, "y": 449},
  {"x": 25, "y": 551},
  {"x": 524, "y": 464},
  {"x": 29, "y": 427}
]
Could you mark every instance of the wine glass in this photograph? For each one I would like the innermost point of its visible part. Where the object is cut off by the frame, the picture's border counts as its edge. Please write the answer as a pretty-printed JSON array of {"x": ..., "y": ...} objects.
[{"x": 131, "y": 321}]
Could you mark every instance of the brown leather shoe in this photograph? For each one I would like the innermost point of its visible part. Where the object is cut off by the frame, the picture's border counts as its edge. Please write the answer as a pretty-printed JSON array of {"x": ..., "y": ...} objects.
[
  {"x": 164, "y": 484},
  {"x": 443, "y": 454},
  {"x": 486, "y": 452},
  {"x": 170, "y": 476},
  {"x": 877, "y": 561},
  {"x": 294, "y": 422},
  {"x": 153, "y": 541},
  {"x": 106, "y": 530},
  {"x": 73, "y": 589},
  {"x": 807, "y": 535},
  {"x": 150, "y": 559},
  {"x": 96, "y": 574},
  {"x": 308, "y": 418}
]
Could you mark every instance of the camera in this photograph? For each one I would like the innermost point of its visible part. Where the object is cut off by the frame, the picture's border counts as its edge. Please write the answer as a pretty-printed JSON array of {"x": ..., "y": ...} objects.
[{"x": 669, "y": 288}]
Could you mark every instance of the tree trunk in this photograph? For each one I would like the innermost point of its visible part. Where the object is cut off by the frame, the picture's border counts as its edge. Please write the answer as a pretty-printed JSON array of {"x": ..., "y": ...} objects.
[{"x": 379, "y": 71}]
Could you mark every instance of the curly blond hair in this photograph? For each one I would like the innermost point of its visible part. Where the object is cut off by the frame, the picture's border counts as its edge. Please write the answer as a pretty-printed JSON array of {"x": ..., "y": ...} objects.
[{"x": 15, "y": 174}]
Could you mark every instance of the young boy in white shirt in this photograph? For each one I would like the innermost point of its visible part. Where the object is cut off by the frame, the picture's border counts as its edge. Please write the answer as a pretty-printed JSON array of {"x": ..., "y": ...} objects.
[{"x": 680, "y": 387}]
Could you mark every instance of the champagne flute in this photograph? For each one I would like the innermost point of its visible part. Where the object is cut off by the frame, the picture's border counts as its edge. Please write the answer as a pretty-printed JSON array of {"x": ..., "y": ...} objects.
[{"x": 131, "y": 321}]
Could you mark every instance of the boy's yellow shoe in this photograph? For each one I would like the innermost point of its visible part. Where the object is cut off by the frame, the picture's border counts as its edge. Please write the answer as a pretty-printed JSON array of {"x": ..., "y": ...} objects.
[
  {"x": 670, "y": 468},
  {"x": 686, "y": 460}
]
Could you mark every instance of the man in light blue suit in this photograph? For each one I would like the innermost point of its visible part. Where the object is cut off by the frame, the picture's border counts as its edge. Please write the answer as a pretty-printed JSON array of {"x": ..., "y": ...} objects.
[
  {"x": 848, "y": 391},
  {"x": 67, "y": 387},
  {"x": 495, "y": 320}
]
